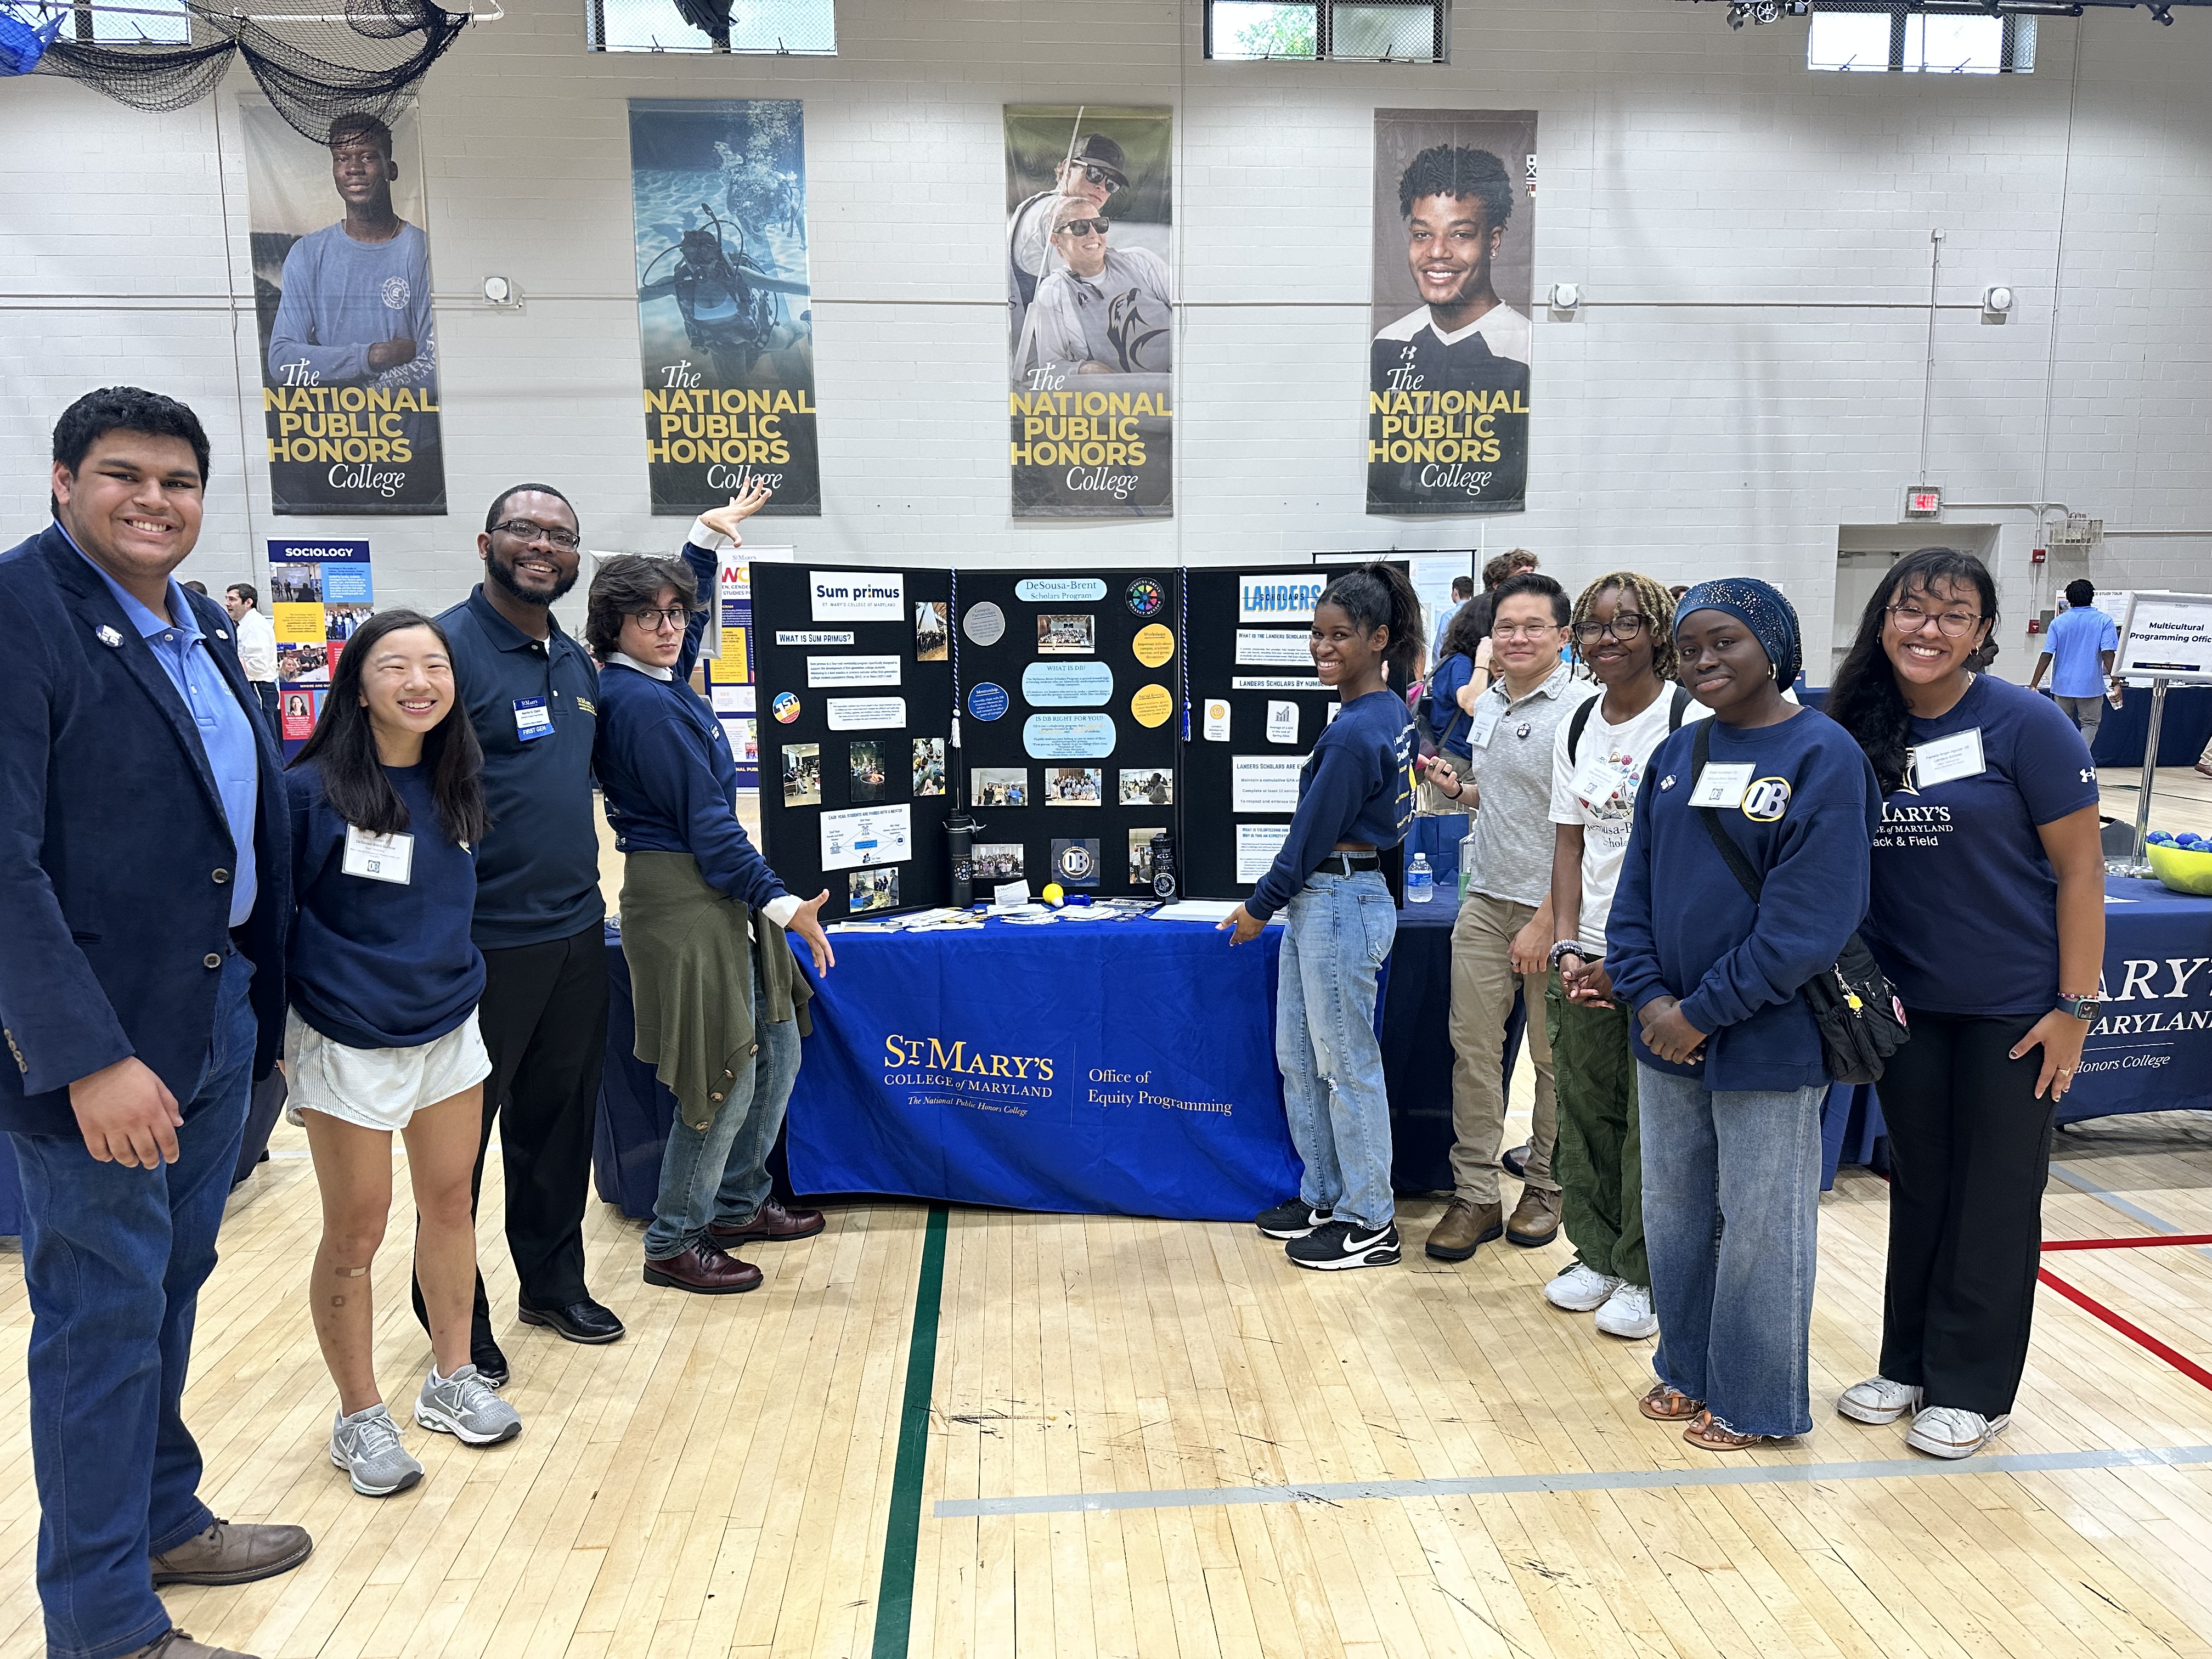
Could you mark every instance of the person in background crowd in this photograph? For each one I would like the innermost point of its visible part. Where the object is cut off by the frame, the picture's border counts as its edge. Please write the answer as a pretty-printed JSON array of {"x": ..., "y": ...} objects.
[
  {"x": 199, "y": 588},
  {"x": 145, "y": 875},
  {"x": 256, "y": 645},
  {"x": 531, "y": 694},
  {"x": 1502, "y": 936},
  {"x": 387, "y": 808},
  {"x": 1731, "y": 1068},
  {"x": 1460, "y": 677},
  {"x": 1623, "y": 630},
  {"x": 2080, "y": 645},
  {"x": 1988, "y": 856},
  {"x": 1355, "y": 799},
  {"x": 720, "y": 1003},
  {"x": 1462, "y": 590}
]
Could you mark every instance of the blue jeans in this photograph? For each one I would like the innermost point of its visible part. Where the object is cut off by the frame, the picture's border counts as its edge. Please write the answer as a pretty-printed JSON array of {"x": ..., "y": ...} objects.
[
  {"x": 1731, "y": 1222},
  {"x": 1337, "y": 931},
  {"x": 113, "y": 1259},
  {"x": 717, "y": 1176}
]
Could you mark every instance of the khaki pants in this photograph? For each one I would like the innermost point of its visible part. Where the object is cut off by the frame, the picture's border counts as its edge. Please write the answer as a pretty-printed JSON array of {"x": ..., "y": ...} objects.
[{"x": 1482, "y": 987}]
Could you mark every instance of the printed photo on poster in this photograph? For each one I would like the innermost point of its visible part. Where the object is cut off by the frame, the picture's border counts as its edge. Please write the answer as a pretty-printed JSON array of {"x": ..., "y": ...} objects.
[
  {"x": 1066, "y": 634},
  {"x": 874, "y": 889},
  {"x": 999, "y": 861},
  {"x": 1448, "y": 389},
  {"x": 929, "y": 766},
  {"x": 725, "y": 328},
  {"x": 999, "y": 786},
  {"x": 865, "y": 762},
  {"x": 348, "y": 346},
  {"x": 802, "y": 775},
  {"x": 1090, "y": 310},
  {"x": 932, "y": 639},
  {"x": 1075, "y": 786},
  {"x": 1152, "y": 786}
]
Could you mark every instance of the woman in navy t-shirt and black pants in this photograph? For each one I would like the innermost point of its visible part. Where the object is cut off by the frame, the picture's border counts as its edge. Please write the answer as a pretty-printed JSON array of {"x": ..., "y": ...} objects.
[{"x": 1988, "y": 914}]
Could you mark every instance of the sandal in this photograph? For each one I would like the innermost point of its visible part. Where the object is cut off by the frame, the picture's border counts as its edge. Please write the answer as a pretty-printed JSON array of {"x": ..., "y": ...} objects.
[
  {"x": 1666, "y": 1403},
  {"x": 1713, "y": 1434}
]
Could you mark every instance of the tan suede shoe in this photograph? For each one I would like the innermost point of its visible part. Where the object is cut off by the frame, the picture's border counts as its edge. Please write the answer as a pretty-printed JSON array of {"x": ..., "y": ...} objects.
[
  {"x": 232, "y": 1552},
  {"x": 1465, "y": 1226}
]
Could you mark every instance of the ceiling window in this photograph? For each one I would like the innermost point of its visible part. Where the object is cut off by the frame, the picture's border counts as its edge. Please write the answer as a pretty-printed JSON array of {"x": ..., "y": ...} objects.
[
  {"x": 1353, "y": 31},
  {"x": 1923, "y": 43},
  {"x": 789, "y": 26}
]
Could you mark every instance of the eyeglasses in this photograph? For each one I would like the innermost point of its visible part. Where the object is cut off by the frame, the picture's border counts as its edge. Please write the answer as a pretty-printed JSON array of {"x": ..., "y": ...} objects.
[
  {"x": 1099, "y": 176},
  {"x": 523, "y": 530},
  {"x": 1626, "y": 626},
  {"x": 1083, "y": 228},
  {"x": 1527, "y": 631},
  {"x": 1912, "y": 619},
  {"x": 654, "y": 621}
]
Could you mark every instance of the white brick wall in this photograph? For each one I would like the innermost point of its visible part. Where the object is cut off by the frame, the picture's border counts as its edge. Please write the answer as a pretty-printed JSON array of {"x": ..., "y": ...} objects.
[{"x": 1680, "y": 162}]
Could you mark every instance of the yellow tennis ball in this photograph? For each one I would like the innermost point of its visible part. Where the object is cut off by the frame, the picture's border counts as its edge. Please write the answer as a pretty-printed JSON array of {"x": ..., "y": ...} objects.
[{"x": 1053, "y": 893}]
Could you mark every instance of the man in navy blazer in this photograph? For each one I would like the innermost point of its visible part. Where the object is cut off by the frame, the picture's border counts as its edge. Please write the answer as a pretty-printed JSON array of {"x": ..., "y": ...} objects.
[{"x": 145, "y": 873}]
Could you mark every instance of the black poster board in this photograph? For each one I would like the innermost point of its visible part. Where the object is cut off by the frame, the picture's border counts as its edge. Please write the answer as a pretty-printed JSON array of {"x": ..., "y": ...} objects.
[
  {"x": 1059, "y": 709},
  {"x": 1255, "y": 611},
  {"x": 848, "y": 769}
]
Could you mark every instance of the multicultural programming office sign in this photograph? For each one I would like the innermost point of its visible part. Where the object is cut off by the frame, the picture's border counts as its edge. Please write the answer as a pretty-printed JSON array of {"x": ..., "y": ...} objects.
[
  {"x": 1092, "y": 352},
  {"x": 342, "y": 298},
  {"x": 725, "y": 330},
  {"x": 1448, "y": 396}
]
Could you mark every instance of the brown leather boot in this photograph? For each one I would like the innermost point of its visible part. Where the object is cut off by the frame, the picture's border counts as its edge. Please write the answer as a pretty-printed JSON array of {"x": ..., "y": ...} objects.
[
  {"x": 1465, "y": 1226},
  {"x": 177, "y": 1646},
  {"x": 774, "y": 1225},
  {"x": 1536, "y": 1219},
  {"x": 230, "y": 1553},
  {"x": 702, "y": 1269}
]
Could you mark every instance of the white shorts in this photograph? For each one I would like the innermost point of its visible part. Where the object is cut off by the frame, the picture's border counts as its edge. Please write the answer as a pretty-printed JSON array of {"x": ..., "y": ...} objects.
[{"x": 378, "y": 1088}]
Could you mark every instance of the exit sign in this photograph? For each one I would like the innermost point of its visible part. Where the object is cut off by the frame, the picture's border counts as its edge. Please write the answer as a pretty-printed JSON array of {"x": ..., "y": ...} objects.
[{"x": 1923, "y": 501}]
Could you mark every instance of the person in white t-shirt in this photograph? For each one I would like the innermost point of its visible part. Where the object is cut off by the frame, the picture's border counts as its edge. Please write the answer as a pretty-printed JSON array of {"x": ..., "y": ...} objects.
[{"x": 1623, "y": 628}]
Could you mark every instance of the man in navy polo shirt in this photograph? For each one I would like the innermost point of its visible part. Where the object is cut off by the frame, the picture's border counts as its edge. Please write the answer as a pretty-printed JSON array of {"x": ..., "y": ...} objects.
[
  {"x": 145, "y": 878},
  {"x": 530, "y": 692}
]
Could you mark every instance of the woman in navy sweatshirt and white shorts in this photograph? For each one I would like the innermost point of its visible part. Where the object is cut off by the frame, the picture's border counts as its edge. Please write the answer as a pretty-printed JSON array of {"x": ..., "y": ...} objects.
[
  {"x": 1355, "y": 799},
  {"x": 386, "y": 810}
]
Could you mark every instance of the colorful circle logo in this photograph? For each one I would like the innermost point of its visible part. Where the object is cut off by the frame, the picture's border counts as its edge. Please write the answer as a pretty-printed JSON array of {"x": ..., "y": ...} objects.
[
  {"x": 1146, "y": 596},
  {"x": 786, "y": 707},
  {"x": 987, "y": 702}
]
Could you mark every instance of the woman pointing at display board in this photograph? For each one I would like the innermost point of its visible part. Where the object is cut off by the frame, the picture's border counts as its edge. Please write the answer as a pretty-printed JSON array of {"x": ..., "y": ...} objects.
[{"x": 1988, "y": 914}]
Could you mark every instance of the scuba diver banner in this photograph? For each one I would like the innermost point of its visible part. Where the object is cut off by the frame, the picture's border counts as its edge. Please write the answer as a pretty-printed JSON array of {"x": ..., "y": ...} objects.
[
  {"x": 724, "y": 329},
  {"x": 1090, "y": 400},
  {"x": 341, "y": 300},
  {"x": 1448, "y": 371}
]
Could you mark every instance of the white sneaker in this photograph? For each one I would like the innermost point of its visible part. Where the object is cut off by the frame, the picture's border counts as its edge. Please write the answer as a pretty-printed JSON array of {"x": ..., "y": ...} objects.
[
  {"x": 1579, "y": 1289},
  {"x": 1952, "y": 1431},
  {"x": 1627, "y": 1313},
  {"x": 1878, "y": 1400}
]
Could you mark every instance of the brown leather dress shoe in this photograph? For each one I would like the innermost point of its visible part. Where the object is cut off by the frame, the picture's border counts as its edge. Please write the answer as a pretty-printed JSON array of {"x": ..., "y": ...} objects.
[
  {"x": 774, "y": 1225},
  {"x": 1465, "y": 1226},
  {"x": 232, "y": 1552},
  {"x": 1535, "y": 1220},
  {"x": 704, "y": 1270},
  {"x": 177, "y": 1646}
]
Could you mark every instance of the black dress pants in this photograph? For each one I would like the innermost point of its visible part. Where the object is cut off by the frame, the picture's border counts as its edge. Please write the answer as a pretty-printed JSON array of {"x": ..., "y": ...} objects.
[
  {"x": 1970, "y": 1153},
  {"x": 543, "y": 1017}
]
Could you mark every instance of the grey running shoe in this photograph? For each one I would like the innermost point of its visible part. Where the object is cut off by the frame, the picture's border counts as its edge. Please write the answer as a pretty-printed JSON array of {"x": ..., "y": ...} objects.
[
  {"x": 463, "y": 1406},
  {"x": 367, "y": 1447}
]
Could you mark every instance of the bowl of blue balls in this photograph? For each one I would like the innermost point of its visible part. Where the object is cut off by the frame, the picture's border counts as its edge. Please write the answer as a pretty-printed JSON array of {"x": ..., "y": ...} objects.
[{"x": 2183, "y": 862}]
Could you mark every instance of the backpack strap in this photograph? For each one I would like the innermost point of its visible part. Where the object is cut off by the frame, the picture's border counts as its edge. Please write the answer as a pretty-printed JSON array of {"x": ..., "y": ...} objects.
[
  {"x": 1579, "y": 721},
  {"x": 1678, "y": 708},
  {"x": 1731, "y": 854}
]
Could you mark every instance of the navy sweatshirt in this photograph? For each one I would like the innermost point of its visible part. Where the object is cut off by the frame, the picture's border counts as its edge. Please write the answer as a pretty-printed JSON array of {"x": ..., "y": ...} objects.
[
  {"x": 1357, "y": 785},
  {"x": 1683, "y": 926},
  {"x": 665, "y": 771},
  {"x": 376, "y": 964}
]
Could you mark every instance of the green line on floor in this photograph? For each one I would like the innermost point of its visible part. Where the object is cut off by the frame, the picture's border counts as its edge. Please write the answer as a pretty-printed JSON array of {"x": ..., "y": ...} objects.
[{"x": 903, "y": 1528}]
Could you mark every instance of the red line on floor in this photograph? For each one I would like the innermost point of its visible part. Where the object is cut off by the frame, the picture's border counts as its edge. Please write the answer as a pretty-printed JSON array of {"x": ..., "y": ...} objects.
[
  {"x": 2136, "y": 1333},
  {"x": 2125, "y": 1243}
]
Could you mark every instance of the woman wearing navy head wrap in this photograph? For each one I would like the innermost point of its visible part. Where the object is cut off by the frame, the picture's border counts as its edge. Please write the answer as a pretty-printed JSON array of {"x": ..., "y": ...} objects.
[{"x": 1730, "y": 1068}]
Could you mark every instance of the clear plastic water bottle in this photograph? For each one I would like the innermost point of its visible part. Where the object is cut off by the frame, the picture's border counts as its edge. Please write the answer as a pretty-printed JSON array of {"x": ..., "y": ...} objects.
[{"x": 1420, "y": 881}]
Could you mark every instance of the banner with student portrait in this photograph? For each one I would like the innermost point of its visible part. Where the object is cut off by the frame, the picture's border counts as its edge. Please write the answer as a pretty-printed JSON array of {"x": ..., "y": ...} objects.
[
  {"x": 348, "y": 340},
  {"x": 1449, "y": 360},
  {"x": 1091, "y": 312},
  {"x": 725, "y": 324}
]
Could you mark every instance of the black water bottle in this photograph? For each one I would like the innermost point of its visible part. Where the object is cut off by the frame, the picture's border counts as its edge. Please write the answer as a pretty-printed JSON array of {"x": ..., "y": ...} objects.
[
  {"x": 1164, "y": 868},
  {"x": 960, "y": 842}
]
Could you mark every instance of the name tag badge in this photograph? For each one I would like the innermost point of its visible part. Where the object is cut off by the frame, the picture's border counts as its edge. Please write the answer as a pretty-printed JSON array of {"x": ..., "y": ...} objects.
[
  {"x": 1596, "y": 779},
  {"x": 1722, "y": 786},
  {"x": 1486, "y": 716},
  {"x": 379, "y": 858},
  {"x": 1946, "y": 759},
  {"x": 533, "y": 719}
]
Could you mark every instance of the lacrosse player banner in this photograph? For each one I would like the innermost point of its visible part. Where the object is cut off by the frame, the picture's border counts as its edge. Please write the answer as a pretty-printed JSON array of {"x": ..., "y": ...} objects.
[
  {"x": 726, "y": 331},
  {"x": 1090, "y": 393}
]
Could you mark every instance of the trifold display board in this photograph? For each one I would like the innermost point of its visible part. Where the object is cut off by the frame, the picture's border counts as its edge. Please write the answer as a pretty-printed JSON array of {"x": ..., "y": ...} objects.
[
  {"x": 855, "y": 710},
  {"x": 1070, "y": 699}
]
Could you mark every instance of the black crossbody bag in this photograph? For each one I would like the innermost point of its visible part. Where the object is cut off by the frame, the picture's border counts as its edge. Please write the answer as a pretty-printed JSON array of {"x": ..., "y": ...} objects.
[{"x": 1862, "y": 1022}]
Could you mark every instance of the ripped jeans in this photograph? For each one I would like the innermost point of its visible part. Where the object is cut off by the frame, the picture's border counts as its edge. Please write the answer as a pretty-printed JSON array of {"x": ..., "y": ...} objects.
[{"x": 1336, "y": 934}]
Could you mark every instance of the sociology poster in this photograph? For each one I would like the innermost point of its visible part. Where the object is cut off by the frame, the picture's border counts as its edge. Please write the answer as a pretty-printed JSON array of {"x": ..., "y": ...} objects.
[
  {"x": 725, "y": 323},
  {"x": 348, "y": 341},
  {"x": 1090, "y": 309},
  {"x": 1448, "y": 360}
]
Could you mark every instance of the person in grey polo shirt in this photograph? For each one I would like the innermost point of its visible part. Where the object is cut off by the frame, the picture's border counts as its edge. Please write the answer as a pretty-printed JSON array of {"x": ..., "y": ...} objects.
[{"x": 1503, "y": 938}]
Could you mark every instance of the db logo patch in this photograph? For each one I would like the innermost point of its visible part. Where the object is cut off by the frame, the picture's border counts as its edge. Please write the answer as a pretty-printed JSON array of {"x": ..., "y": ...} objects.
[
  {"x": 1076, "y": 862},
  {"x": 1146, "y": 597},
  {"x": 785, "y": 708},
  {"x": 1766, "y": 801}
]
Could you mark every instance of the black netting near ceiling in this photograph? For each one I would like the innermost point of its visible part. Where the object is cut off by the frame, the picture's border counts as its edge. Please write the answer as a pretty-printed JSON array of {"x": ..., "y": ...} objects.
[{"x": 351, "y": 56}]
